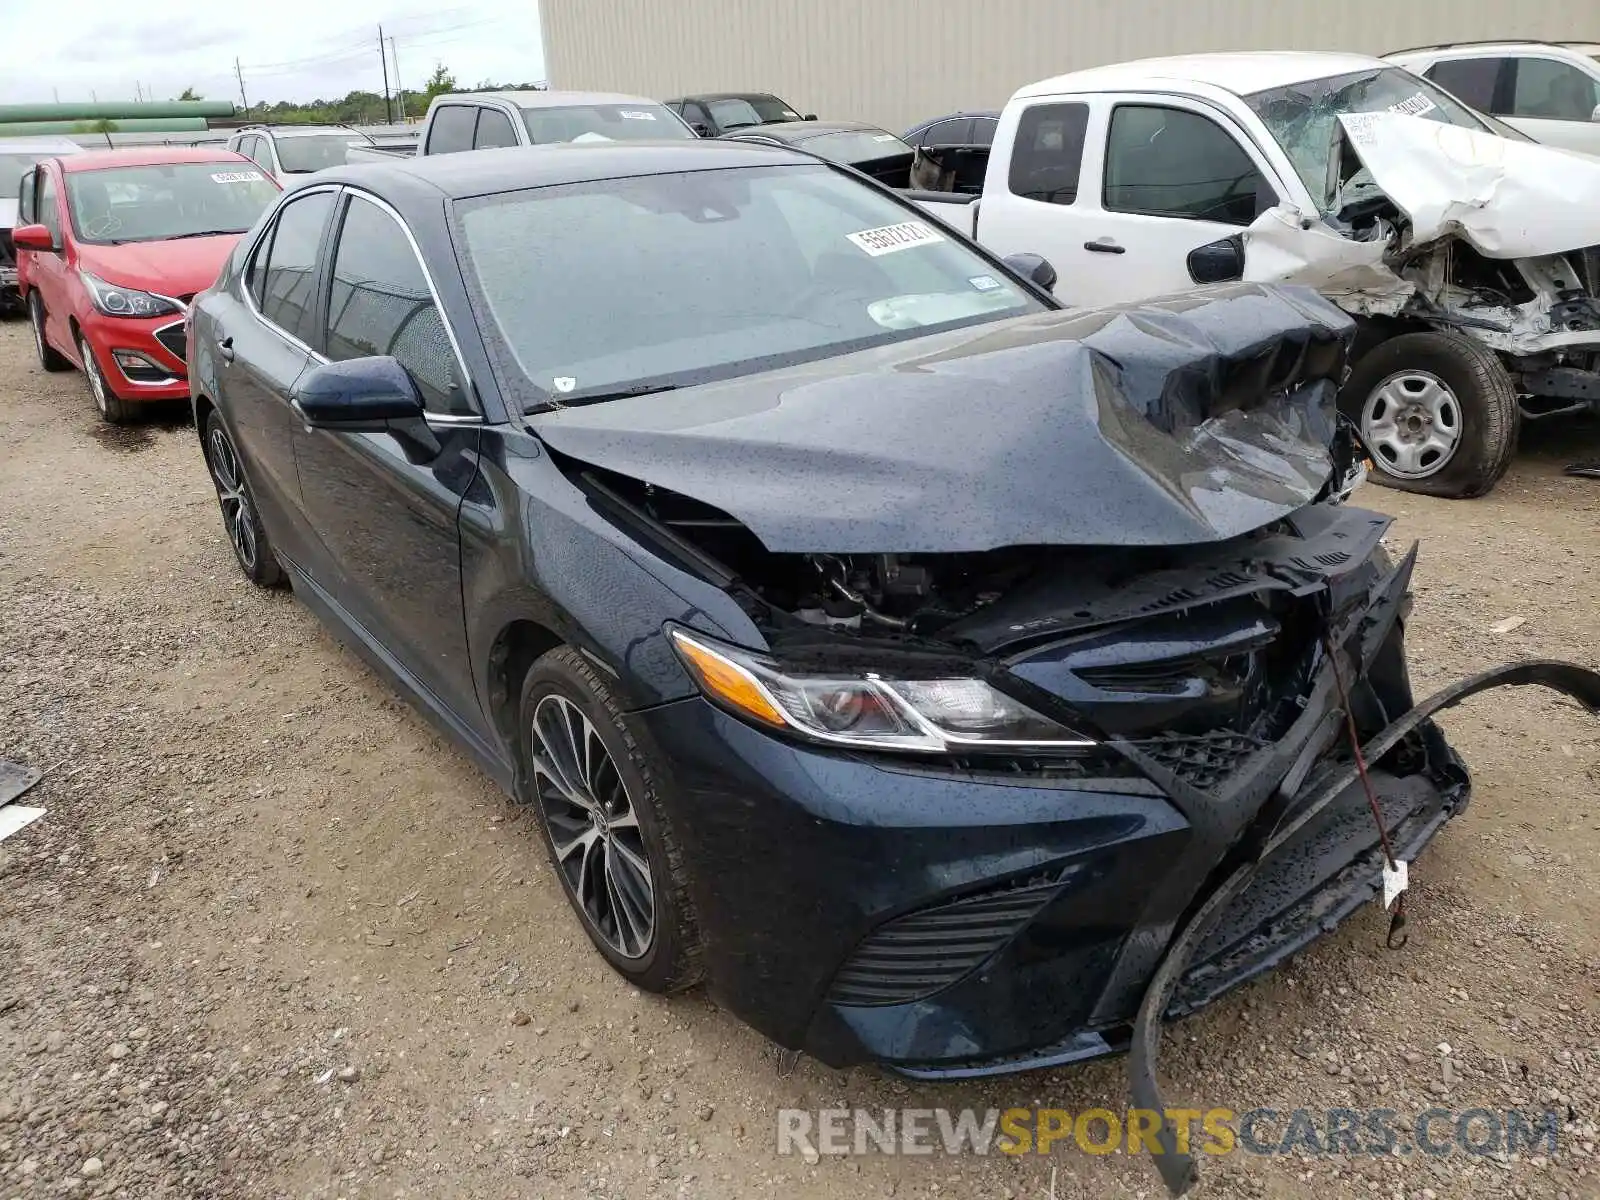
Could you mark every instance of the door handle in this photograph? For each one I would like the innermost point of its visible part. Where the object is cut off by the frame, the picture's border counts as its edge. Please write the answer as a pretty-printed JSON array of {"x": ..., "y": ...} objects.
[
  {"x": 225, "y": 348},
  {"x": 1104, "y": 246}
]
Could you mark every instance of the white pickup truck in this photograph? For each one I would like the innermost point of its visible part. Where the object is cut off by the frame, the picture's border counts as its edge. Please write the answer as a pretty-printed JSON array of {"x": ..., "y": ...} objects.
[
  {"x": 1469, "y": 256},
  {"x": 489, "y": 120}
]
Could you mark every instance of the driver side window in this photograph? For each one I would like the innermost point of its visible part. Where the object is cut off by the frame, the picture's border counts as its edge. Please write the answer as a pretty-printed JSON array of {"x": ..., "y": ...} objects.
[
  {"x": 49, "y": 214},
  {"x": 1170, "y": 162}
]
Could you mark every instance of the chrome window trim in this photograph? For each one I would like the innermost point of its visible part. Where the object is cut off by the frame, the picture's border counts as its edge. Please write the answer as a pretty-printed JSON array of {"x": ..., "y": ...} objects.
[
  {"x": 255, "y": 245},
  {"x": 455, "y": 346}
]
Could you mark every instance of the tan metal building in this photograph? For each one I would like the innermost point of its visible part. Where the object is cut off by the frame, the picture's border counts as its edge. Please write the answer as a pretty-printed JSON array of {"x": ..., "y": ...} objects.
[{"x": 895, "y": 62}]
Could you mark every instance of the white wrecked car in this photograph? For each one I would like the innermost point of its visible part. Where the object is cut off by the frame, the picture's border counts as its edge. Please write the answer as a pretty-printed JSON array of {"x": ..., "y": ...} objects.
[{"x": 1469, "y": 256}]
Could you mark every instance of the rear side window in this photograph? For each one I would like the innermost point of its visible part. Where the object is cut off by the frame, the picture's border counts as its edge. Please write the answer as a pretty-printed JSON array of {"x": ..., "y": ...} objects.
[
  {"x": 380, "y": 304},
  {"x": 1170, "y": 162},
  {"x": 1553, "y": 91},
  {"x": 451, "y": 130},
  {"x": 1048, "y": 156},
  {"x": 1471, "y": 80},
  {"x": 494, "y": 129},
  {"x": 945, "y": 133},
  {"x": 287, "y": 292}
]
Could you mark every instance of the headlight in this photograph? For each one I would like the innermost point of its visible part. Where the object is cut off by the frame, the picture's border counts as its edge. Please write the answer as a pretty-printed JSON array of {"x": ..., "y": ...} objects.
[
  {"x": 870, "y": 711},
  {"x": 117, "y": 301}
]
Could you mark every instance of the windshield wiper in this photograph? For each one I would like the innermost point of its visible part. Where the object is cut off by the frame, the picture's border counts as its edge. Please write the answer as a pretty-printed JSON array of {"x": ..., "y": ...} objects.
[
  {"x": 178, "y": 237},
  {"x": 574, "y": 399}
]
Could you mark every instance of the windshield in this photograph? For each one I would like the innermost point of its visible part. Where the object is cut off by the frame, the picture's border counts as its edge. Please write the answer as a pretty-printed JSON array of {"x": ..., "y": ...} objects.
[
  {"x": 1304, "y": 117},
  {"x": 300, "y": 154},
  {"x": 738, "y": 112},
  {"x": 12, "y": 168},
  {"x": 604, "y": 122},
  {"x": 853, "y": 146},
  {"x": 661, "y": 280},
  {"x": 151, "y": 204}
]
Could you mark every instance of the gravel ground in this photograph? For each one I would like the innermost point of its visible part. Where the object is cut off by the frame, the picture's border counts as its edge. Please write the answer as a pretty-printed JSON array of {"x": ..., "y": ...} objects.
[{"x": 276, "y": 938}]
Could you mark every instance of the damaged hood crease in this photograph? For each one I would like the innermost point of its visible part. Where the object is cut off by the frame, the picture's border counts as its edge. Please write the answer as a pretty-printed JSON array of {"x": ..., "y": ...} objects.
[{"x": 1186, "y": 421}]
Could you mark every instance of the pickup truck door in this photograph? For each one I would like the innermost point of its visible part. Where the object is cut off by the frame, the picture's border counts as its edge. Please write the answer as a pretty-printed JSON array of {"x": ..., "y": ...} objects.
[{"x": 1118, "y": 190}]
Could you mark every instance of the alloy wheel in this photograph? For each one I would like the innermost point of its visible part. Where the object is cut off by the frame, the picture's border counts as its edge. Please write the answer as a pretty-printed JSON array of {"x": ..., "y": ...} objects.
[
  {"x": 236, "y": 514},
  {"x": 97, "y": 383},
  {"x": 593, "y": 827},
  {"x": 1412, "y": 424}
]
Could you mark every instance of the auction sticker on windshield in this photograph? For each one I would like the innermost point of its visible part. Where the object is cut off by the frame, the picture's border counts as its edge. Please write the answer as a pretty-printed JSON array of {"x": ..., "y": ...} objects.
[
  {"x": 634, "y": 115},
  {"x": 889, "y": 238},
  {"x": 1415, "y": 106},
  {"x": 236, "y": 177}
]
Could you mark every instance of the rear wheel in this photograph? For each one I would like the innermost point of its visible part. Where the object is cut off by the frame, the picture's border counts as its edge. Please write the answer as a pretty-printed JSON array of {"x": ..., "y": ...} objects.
[
  {"x": 50, "y": 358},
  {"x": 111, "y": 407},
  {"x": 239, "y": 517},
  {"x": 1437, "y": 412},
  {"x": 598, "y": 798}
]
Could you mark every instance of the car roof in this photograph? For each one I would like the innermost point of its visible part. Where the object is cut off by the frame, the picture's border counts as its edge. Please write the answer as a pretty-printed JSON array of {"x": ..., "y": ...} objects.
[
  {"x": 532, "y": 98},
  {"x": 511, "y": 168},
  {"x": 39, "y": 145},
  {"x": 730, "y": 96},
  {"x": 1510, "y": 46},
  {"x": 149, "y": 156},
  {"x": 1240, "y": 72},
  {"x": 800, "y": 131}
]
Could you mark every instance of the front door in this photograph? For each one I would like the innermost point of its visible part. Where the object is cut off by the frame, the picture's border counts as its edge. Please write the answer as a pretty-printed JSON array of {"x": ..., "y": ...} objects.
[
  {"x": 46, "y": 270},
  {"x": 385, "y": 504}
]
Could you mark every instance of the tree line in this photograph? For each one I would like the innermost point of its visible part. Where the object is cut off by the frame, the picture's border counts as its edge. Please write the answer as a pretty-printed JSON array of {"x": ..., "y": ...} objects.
[{"x": 366, "y": 108}]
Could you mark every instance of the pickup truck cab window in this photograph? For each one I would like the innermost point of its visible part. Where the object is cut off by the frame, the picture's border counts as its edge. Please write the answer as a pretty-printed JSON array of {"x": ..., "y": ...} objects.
[
  {"x": 450, "y": 128},
  {"x": 1171, "y": 162},
  {"x": 494, "y": 130},
  {"x": 1048, "y": 157},
  {"x": 380, "y": 303},
  {"x": 604, "y": 122}
]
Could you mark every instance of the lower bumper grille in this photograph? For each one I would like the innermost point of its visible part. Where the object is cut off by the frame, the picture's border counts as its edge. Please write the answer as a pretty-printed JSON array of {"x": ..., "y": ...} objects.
[
  {"x": 924, "y": 952},
  {"x": 172, "y": 338}
]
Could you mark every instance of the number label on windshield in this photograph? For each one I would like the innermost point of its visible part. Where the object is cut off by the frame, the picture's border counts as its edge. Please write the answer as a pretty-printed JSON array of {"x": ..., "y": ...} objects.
[
  {"x": 634, "y": 115},
  {"x": 236, "y": 177},
  {"x": 1415, "y": 106},
  {"x": 889, "y": 238}
]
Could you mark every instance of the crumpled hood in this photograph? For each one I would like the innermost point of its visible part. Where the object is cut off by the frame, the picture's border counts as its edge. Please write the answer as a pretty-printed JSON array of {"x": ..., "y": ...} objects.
[
  {"x": 1178, "y": 422},
  {"x": 176, "y": 268},
  {"x": 1506, "y": 199}
]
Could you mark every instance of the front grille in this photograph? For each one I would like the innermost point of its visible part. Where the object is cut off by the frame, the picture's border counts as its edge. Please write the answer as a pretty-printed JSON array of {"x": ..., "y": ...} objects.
[
  {"x": 172, "y": 337},
  {"x": 924, "y": 952},
  {"x": 1203, "y": 760}
]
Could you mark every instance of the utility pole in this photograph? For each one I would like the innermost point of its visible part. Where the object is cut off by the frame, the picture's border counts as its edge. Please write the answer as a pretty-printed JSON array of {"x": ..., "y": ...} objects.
[
  {"x": 383, "y": 57},
  {"x": 239, "y": 71},
  {"x": 400, "y": 92}
]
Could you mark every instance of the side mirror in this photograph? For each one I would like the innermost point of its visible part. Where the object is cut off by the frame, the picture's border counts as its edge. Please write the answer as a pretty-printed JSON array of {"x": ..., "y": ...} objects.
[
  {"x": 33, "y": 237},
  {"x": 360, "y": 394},
  {"x": 1217, "y": 262},
  {"x": 811, "y": 116},
  {"x": 1035, "y": 268}
]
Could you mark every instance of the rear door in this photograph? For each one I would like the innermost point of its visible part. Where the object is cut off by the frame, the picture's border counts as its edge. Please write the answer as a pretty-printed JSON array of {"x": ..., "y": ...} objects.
[
  {"x": 269, "y": 339},
  {"x": 385, "y": 504}
]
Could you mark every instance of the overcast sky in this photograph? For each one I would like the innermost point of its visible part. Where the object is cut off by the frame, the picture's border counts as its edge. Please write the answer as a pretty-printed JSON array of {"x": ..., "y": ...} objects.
[{"x": 290, "y": 49}]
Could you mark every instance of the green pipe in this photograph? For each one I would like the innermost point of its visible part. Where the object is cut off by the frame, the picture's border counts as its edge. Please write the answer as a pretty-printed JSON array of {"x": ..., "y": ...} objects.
[
  {"x": 115, "y": 110},
  {"x": 90, "y": 127}
]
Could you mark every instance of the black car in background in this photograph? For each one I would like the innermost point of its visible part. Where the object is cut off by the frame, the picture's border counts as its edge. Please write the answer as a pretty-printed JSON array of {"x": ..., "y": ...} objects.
[
  {"x": 905, "y": 656},
  {"x": 717, "y": 113},
  {"x": 873, "y": 151},
  {"x": 955, "y": 129}
]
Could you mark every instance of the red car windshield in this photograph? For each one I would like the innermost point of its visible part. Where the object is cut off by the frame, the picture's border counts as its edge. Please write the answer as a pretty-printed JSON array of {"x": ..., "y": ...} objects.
[{"x": 165, "y": 201}]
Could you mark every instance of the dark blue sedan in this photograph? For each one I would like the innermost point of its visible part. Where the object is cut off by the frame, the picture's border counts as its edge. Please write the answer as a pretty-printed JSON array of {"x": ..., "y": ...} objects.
[{"x": 904, "y": 655}]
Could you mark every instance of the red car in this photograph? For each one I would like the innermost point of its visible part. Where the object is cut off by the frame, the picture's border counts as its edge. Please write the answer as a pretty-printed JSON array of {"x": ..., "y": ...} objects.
[{"x": 112, "y": 245}]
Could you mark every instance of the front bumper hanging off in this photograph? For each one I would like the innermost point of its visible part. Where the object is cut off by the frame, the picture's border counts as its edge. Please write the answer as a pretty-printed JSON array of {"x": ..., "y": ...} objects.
[{"x": 1276, "y": 823}]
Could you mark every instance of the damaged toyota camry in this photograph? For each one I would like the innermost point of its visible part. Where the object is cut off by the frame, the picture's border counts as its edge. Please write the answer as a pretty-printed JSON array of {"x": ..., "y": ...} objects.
[{"x": 943, "y": 676}]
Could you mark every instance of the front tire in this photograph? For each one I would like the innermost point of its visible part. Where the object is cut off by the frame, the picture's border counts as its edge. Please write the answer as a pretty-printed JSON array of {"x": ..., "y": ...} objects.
[
  {"x": 1438, "y": 414},
  {"x": 240, "y": 517},
  {"x": 50, "y": 359},
  {"x": 109, "y": 405},
  {"x": 598, "y": 799}
]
